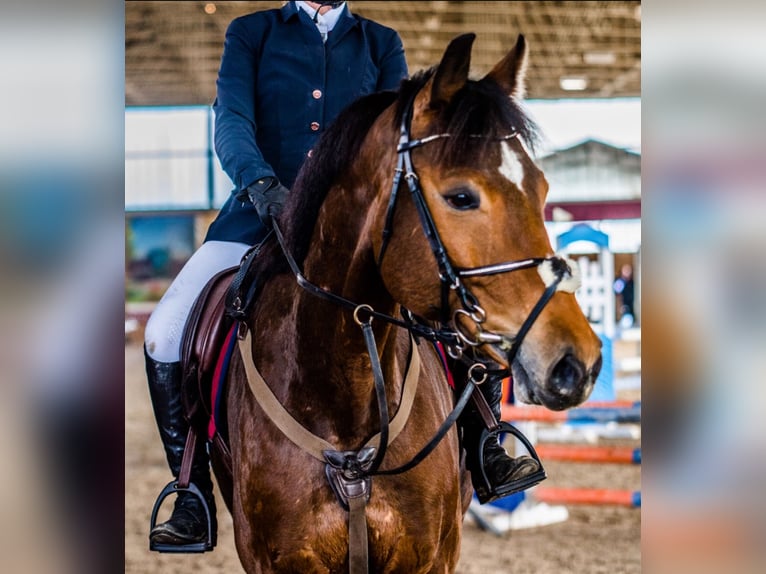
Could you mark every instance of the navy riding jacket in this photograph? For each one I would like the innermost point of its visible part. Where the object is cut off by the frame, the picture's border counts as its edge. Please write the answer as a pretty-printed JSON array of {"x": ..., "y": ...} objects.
[{"x": 279, "y": 86}]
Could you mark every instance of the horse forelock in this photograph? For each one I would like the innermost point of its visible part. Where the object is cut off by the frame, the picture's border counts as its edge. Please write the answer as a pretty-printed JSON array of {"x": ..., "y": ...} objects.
[{"x": 477, "y": 115}]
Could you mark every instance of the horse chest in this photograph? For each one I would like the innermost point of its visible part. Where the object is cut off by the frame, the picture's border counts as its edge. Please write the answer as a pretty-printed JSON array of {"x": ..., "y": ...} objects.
[{"x": 308, "y": 531}]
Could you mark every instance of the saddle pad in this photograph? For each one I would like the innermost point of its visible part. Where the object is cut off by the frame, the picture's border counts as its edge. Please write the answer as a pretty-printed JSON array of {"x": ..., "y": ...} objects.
[
  {"x": 219, "y": 378},
  {"x": 443, "y": 356}
]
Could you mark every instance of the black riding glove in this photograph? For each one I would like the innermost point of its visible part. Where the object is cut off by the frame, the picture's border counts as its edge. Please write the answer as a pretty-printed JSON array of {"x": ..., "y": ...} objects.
[{"x": 268, "y": 197}]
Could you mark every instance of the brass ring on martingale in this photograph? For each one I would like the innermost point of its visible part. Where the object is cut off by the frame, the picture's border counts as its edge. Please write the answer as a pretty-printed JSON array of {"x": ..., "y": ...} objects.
[
  {"x": 483, "y": 375},
  {"x": 363, "y": 307}
]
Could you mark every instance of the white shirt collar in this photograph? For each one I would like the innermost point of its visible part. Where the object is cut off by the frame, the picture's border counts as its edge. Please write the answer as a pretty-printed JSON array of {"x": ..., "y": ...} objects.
[{"x": 325, "y": 23}]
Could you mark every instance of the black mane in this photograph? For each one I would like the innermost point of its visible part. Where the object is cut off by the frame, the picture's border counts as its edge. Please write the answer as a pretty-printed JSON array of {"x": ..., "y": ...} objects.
[
  {"x": 479, "y": 108},
  {"x": 330, "y": 157}
]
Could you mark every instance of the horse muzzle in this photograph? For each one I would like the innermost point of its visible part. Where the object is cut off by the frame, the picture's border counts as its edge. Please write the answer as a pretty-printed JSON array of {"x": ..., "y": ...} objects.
[{"x": 567, "y": 383}]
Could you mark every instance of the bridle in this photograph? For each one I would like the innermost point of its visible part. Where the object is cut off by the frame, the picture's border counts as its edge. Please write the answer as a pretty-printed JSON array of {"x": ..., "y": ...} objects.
[{"x": 555, "y": 268}]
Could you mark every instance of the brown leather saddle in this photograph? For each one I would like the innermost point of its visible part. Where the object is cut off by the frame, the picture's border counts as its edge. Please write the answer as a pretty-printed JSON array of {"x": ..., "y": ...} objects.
[{"x": 203, "y": 339}]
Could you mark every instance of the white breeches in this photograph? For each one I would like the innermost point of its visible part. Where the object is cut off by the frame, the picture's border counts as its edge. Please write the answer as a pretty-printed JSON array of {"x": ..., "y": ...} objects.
[{"x": 164, "y": 328}]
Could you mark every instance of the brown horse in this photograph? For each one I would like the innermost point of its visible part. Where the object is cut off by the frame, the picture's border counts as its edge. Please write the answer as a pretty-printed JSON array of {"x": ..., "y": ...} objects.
[{"x": 473, "y": 197}]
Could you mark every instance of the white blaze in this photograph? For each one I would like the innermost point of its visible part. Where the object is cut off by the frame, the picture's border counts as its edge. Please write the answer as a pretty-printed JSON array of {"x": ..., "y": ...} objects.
[{"x": 511, "y": 168}]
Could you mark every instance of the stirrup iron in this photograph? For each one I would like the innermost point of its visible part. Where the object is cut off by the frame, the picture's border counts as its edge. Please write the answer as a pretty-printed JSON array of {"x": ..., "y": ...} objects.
[
  {"x": 204, "y": 546},
  {"x": 494, "y": 492}
]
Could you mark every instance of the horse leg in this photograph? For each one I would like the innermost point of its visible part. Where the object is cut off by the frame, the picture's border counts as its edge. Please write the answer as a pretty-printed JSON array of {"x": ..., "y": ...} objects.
[{"x": 466, "y": 488}]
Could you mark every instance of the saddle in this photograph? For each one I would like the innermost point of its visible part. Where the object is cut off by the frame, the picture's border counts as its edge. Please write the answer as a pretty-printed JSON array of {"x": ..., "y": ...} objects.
[{"x": 201, "y": 345}]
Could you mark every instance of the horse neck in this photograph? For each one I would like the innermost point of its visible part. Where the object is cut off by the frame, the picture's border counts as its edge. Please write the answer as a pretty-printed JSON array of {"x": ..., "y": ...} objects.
[
  {"x": 347, "y": 269},
  {"x": 327, "y": 374}
]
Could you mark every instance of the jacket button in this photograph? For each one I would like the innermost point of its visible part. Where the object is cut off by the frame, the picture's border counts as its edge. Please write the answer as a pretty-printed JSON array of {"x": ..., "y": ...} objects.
[
  {"x": 314, "y": 126},
  {"x": 310, "y": 153},
  {"x": 317, "y": 94}
]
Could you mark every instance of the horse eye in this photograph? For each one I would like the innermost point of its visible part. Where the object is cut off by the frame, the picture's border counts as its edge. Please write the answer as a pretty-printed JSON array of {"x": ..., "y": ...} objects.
[{"x": 462, "y": 200}]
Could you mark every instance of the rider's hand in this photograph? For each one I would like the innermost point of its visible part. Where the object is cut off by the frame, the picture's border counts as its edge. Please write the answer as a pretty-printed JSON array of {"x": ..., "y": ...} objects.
[{"x": 268, "y": 197}]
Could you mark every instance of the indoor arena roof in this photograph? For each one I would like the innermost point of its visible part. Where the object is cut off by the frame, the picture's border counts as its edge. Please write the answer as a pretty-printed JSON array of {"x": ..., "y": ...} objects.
[{"x": 577, "y": 49}]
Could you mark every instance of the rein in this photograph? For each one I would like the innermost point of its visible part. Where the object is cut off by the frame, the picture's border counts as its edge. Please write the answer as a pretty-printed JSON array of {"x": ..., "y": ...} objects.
[{"x": 419, "y": 329}]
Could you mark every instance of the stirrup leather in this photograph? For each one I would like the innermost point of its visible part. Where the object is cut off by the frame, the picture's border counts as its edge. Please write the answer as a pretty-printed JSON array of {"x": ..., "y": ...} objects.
[{"x": 485, "y": 491}]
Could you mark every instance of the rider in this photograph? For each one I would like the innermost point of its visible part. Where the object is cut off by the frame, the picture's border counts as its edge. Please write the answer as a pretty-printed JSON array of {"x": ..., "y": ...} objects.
[{"x": 273, "y": 101}]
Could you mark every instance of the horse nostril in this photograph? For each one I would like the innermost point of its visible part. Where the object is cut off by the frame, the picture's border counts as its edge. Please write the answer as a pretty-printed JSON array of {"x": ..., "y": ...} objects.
[
  {"x": 596, "y": 368},
  {"x": 567, "y": 375}
]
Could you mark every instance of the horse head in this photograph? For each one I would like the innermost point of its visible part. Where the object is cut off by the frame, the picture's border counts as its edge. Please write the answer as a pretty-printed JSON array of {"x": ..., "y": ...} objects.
[{"x": 461, "y": 238}]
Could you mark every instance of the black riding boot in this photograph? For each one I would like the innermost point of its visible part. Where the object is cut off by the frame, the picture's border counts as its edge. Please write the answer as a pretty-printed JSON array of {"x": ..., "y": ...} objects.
[
  {"x": 505, "y": 474},
  {"x": 188, "y": 522}
]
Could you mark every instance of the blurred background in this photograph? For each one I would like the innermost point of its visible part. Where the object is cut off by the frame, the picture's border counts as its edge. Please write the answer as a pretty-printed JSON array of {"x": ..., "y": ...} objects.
[{"x": 98, "y": 207}]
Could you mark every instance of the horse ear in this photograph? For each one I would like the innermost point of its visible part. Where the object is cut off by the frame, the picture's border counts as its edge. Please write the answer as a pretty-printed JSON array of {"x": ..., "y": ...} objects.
[
  {"x": 452, "y": 72},
  {"x": 509, "y": 72}
]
